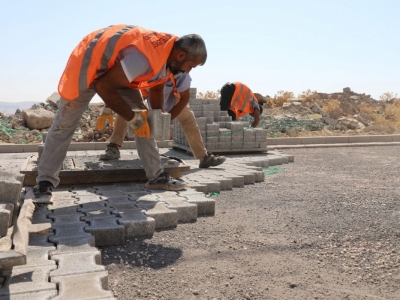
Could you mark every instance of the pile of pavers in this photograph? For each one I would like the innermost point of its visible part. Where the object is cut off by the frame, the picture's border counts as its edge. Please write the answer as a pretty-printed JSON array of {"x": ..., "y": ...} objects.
[{"x": 219, "y": 132}]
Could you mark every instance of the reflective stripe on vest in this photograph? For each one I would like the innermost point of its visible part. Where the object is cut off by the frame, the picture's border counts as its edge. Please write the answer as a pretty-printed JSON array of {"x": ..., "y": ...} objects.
[
  {"x": 97, "y": 52},
  {"x": 240, "y": 103}
]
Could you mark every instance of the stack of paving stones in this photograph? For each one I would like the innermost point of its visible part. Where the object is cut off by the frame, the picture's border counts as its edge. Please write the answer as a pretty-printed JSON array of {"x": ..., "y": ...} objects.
[
  {"x": 66, "y": 263},
  {"x": 10, "y": 191},
  {"x": 219, "y": 132}
]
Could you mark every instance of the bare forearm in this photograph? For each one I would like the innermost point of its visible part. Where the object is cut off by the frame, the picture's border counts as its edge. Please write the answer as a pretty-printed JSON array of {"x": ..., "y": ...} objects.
[
  {"x": 177, "y": 109},
  {"x": 156, "y": 97},
  {"x": 113, "y": 100}
]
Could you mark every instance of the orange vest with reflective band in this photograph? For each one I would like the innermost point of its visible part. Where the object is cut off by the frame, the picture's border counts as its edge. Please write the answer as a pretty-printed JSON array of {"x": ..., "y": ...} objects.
[
  {"x": 171, "y": 77},
  {"x": 240, "y": 102},
  {"x": 97, "y": 52}
]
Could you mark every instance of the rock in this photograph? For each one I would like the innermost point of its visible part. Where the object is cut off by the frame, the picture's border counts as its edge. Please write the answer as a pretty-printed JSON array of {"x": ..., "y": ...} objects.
[
  {"x": 38, "y": 118},
  {"x": 296, "y": 100},
  {"x": 350, "y": 123},
  {"x": 316, "y": 108},
  {"x": 329, "y": 121},
  {"x": 364, "y": 118},
  {"x": 335, "y": 114},
  {"x": 353, "y": 97},
  {"x": 292, "y": 133},
  {"x": 54, "y": 99},
  {"x": 314, "y": 116},
  {"x": 346, "y": 90},
  {"x": 379, "y": 128}
]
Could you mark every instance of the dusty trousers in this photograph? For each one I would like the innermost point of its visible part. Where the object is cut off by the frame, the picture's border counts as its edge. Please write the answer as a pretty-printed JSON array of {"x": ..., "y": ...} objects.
[
  {"x": 186, "y": 119},
  {"x": 62, "y": 130}
]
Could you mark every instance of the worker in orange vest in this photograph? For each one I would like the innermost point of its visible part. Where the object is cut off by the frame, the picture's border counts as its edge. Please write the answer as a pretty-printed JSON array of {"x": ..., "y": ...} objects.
[
  {"x": 115, "y": 62},
  {"x": 179, "y": 108},
  {"x": 238, "y": 100}
]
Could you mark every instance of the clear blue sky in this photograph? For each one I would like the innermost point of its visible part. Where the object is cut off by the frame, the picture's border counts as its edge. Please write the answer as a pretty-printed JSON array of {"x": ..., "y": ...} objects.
[{"x": 270, "y": 45}]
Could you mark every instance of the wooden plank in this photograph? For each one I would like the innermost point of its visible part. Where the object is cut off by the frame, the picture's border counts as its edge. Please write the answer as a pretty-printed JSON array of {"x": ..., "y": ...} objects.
[{"x": 92, "y": 171}]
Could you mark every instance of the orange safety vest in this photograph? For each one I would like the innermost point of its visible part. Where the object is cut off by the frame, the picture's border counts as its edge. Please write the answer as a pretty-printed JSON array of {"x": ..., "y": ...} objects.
[
  {"x": 171, "y": 77},
  {"x": 240, "y": 102},
  {"x": 97, "y": 52}
]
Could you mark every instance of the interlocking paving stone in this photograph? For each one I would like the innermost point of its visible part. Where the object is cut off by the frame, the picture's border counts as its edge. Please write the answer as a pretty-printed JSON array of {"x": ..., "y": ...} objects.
[
  {"x": 42, "y": 295},
  {"x": 129, "y": 208},
  {"x": 187, "y": 212},
  {"x": 77, "y": 263},
  {"x": 63, "y": 233},
  {"x": 205, "y": 206},
  {"x": 83, "y": 286},
  {"x": 24, "y": 280},
  {"x": 106, "y": 231},
  {"x": 164, "y": 217},
  {"x": 136, "y": 223},
  {"x": 85, "y": 244}
]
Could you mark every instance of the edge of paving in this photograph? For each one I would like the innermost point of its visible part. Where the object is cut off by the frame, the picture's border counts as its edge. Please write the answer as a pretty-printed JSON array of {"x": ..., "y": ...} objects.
[{"x": 273, "y": 143}]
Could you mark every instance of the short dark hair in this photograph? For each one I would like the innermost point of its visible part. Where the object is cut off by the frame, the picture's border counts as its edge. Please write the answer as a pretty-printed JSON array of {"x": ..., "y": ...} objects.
[{"x": 194, "y": 47}]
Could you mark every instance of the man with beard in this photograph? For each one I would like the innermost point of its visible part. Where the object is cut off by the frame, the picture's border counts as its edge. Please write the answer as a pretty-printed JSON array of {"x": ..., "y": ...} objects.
[{"x": 115, "y": 62}]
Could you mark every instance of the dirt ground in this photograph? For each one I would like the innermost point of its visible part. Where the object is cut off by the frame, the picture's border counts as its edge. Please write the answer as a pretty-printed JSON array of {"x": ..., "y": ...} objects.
[{"x": 326, "y": 227}]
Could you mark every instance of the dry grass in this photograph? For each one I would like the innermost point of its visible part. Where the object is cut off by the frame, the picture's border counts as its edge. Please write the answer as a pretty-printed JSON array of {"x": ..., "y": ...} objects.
[
  {"x": 328, "y": 106},
  {"x": 209, "y": 95},
  {"x": 279, "y": 98},
  {"x": 390, "y": 117}
]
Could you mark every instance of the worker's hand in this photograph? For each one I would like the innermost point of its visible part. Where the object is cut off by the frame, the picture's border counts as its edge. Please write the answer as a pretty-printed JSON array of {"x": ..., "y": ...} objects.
[
  {"x": 106, "y": 114},
  {"x": 138, "y": 120},
  {"x": 139, "y": 124}
]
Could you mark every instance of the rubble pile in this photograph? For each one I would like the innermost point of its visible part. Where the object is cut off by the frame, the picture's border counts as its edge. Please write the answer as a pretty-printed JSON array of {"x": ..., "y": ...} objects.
[{"x": 310, "y": 114}]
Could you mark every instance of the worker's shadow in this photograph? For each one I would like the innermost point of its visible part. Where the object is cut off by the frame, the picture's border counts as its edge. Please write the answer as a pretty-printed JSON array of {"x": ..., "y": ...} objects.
[{"x": 140, "y": 252}]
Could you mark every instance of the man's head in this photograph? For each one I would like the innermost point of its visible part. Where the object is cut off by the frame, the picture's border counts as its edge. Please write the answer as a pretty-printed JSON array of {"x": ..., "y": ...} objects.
[{"x": 188, "y": 52}]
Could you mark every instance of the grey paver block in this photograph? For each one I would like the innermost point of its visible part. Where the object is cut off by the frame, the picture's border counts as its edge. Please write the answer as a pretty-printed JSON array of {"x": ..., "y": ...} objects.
[
  {"x": 198, "y": 186},
  {"x": 62, "y": 203},
  {"x": 106, "y": 231},
  {"x": 92, "y": 206},
  {"x": 237, "y": 181},
  {"x": 187, "y": 212},
  {"x": 163, "y": 216},
  {"x": 205, "y": 206},
  {"x": 63, "y": 233},
  {"x": 42, "y": 295},
  {"x": 212, "y": 186},
  {"x": 11, "y": 258},
  {"x": 76, "y": 286},
  {"x": 5, "y": 219},
  {"x": 136, "y": 223},
  {"x": 70, "y": 210},
  {"x": 77, "y": 263},
  {"x": 29, "y": 280},
  {"x": 38, "y": 256},
  {"x": 68, "y": 219},
  {"x": 10, "y": 190},
  {"x": 75, "y": 245},
  {"x": 40, "y": 215}
]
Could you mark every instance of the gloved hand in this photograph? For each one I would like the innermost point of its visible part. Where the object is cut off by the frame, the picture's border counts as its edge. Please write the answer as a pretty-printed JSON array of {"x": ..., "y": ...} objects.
[
  {"x": 139, "y": 124},
  {"x": 106, "y": 114}
]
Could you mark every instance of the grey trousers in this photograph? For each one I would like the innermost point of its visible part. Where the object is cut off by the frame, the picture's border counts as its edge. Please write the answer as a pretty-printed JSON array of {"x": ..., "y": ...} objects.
[{"x": 67, "y": 119}]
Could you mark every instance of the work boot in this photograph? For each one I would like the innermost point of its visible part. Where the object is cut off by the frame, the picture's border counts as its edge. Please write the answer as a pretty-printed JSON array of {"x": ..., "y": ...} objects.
[
  {"x": 112, "y": 152},
  {"x": 211, "y": 160},
  {"x": 43, "y": 188},
  {"x": 166, "y": 182}
]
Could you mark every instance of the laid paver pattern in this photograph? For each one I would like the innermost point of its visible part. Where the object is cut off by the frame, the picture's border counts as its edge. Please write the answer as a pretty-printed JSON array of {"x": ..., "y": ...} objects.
[{"x": 66, "y": 263}]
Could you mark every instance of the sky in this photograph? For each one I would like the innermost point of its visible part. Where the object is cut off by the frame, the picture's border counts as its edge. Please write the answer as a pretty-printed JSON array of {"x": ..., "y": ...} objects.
[{"x": 270, "y": 45}]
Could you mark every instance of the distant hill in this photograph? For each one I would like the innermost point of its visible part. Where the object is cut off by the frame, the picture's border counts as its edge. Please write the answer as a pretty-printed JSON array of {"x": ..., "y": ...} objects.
[{"x": 9, "y": 108}]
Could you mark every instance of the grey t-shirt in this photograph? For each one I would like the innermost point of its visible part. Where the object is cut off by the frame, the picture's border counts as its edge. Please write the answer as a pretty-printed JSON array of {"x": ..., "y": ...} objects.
[{"x": 135, "y": 63}]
